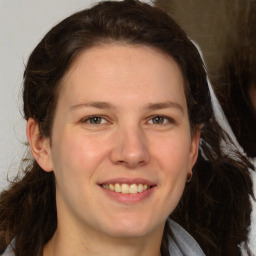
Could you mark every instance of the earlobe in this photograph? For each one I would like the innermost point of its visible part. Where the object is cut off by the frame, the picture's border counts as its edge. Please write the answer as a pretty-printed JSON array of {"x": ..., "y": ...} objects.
[{"x": 39, "y": 146}]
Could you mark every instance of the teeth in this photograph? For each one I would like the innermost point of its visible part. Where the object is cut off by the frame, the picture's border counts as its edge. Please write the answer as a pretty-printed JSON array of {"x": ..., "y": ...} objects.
[
  {"x": 140, "y": 188},
  {"x": 126, "y": 188},
  {"x": 117, "y": 188},
  {"x": 111, "y": 187},
  {"x": 133, "y": 189}
]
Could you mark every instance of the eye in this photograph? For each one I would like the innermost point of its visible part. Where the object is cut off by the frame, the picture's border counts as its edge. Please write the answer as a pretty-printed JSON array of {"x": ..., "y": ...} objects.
[
  {"x": 95, "y": 120},
  {"x": 161, "y": 120}
]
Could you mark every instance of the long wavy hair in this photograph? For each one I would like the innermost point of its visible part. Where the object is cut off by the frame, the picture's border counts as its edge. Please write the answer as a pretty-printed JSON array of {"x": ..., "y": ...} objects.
[{"x": 215, "y": 207}]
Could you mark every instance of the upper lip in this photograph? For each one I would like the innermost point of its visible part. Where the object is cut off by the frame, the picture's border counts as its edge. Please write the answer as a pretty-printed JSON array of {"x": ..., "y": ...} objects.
[{"x": 128, "y": 181}]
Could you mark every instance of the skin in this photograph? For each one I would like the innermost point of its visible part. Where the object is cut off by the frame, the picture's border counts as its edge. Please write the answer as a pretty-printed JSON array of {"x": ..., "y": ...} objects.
[{"x": 129, "y": 141}]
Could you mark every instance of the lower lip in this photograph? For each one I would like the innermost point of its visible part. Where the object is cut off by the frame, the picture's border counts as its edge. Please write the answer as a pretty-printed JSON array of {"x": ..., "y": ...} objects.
[{"x": 129, "y": 198}]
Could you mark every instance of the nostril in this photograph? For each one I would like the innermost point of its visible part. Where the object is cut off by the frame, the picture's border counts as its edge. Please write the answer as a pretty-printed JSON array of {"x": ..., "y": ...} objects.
[
  {"x": 130, "y": 149},
  {"x": 132, "y": 164}
]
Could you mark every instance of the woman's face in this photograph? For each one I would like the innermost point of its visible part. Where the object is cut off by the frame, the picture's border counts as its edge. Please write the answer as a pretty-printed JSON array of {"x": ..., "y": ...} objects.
[{"x": 121, "y": 146}]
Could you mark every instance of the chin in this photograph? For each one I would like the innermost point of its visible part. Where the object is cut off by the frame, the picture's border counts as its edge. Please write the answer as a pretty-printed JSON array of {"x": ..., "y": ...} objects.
[
  {"x": 131, "y": 228},
  {"x": 129, "y": 233}
]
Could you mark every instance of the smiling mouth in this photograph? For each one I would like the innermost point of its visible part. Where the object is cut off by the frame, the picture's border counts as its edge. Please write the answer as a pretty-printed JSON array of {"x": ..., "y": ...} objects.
[{"x": 126, "y": 188}]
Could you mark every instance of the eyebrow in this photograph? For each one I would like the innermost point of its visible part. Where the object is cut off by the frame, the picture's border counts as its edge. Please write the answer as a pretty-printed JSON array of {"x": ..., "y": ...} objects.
[
  {"x": 94, "y": 104},
  {"x": 150, "y": 106},
  {"x": 162, "y": 105}
]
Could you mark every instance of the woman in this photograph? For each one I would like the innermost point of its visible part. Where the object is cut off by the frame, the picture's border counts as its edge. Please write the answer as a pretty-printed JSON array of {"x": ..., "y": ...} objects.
[{"x": 117, "y": 105}]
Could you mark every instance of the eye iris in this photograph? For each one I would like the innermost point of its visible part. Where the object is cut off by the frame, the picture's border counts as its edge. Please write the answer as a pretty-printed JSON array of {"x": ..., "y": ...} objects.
[
  {"x": 158, "y": 120},
  {"x": 95, "y": 120}
]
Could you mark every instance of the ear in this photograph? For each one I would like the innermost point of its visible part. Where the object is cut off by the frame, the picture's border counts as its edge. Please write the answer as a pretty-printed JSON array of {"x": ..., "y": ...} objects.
[
  {"x": 194, "y": 148},
  {"x": 39, "y": 146}
]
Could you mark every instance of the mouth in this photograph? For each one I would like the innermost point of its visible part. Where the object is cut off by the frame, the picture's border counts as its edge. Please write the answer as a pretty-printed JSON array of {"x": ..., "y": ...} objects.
[{"x": 126, "y": 188}]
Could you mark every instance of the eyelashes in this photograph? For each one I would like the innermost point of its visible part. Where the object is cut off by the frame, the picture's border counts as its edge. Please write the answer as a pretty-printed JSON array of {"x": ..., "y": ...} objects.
[
  {"x": 97, "y": 120},
  {"x": 161, "y": 120}
]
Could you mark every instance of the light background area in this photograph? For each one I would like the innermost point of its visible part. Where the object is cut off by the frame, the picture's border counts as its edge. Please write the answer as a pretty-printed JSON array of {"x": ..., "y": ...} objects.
[{"x": 22, "y": 24}]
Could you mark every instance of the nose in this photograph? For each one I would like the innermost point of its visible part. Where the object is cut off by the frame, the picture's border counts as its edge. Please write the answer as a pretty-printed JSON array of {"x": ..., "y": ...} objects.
[{"x": 130, "y": 148}]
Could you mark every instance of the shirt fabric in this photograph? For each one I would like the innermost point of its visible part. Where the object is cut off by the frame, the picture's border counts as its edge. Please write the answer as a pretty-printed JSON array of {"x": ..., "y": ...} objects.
[{"x": 180, "y": 244}]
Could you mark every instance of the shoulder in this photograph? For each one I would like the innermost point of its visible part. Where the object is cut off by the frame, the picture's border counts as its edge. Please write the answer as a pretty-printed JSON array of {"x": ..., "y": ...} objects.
[{"x": 182, "y": 243}]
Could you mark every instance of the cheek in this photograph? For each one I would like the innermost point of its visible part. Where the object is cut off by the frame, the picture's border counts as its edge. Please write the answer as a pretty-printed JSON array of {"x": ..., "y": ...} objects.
[
  {"x": 75, "y": 152},
  {"x": 75, "y": 159},
  {"x": 173, "y": 154},
  {"x": 173, "y": 159}
]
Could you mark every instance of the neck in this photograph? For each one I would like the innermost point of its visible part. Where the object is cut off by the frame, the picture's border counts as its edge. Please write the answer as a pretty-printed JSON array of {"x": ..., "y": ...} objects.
[
  {"x": 69, "y": 242},
  {"x": 75, "y": 237}
]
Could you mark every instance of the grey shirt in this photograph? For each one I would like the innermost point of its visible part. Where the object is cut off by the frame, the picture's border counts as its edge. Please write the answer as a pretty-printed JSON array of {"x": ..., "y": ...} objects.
[{"x": 181, "y": 244}]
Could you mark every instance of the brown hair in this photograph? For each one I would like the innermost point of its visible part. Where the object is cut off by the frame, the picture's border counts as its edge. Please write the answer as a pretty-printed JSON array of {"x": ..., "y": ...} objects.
[{"x": 215, "y": 207}]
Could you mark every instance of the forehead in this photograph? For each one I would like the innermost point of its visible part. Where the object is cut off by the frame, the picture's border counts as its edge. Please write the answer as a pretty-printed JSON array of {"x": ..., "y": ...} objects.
[
  {"x": 123, "y": 50},
  {"x": 120, "y": 67}
]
